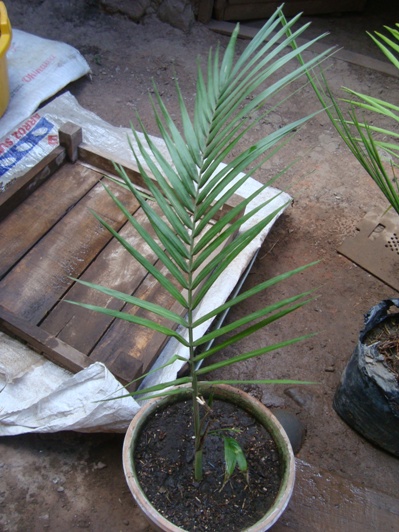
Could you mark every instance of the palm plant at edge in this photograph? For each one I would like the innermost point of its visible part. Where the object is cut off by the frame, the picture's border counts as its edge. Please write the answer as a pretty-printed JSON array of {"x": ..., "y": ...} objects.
[{"x": 375, "y": 146}]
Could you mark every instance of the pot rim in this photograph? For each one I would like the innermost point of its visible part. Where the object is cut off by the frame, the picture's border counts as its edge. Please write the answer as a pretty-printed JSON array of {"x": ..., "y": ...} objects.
[{"x": 243, "y": 400}]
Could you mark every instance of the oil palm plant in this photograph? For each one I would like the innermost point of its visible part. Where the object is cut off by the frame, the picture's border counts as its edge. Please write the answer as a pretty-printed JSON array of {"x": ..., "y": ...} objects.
[
  {"x": 191, "y": 187},
  {"x": 375, "y": 147}
]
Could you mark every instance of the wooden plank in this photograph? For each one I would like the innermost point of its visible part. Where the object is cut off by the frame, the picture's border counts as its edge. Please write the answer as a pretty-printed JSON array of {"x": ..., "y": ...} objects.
[
  {"x": 22, "y": 187},
  {"x": 70, "y": 136},
  {"x": 248, "y": 32},
  {"x": 126, "y": 348},
  {"x": 95, "y": 159},
  {"x": 40, "y": 279},
  {"x": 33, "y": 218},
  {"x": 114, "y": 268},
  {"x": 133, "y": 340},
  {"x": 54, "y": 349},
  {"x": 126, "y": 368}
]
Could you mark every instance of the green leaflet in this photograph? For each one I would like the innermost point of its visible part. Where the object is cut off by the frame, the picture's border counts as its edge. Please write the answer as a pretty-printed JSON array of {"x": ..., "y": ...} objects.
[
  {"x": 250, "y": 354},
  {"x": 132, "y": 318},
  {"x": 256, "y": 325},
  {"x": 233, "y": 456},
  {"x": 131, "y": 300}
]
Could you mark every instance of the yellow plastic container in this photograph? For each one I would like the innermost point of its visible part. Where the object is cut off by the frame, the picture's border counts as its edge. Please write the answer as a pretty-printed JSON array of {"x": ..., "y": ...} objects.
[{"x": 5, "y": 41}]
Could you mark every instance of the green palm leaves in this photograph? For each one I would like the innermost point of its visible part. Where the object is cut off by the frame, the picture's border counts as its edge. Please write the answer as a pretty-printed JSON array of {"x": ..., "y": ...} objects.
[
  {"x": 388, "y": 45},
  {"x": 194, "y": 236},
  {"x": 375, "y": 147}
]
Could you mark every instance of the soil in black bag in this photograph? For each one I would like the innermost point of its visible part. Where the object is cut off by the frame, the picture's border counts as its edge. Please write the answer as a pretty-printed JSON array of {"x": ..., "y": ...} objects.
[{"x": 367, "y": 398}]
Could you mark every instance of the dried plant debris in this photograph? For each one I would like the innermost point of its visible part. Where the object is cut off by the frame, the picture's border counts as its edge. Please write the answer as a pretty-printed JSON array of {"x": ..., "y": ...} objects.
[{"x": 387, "y": 336}]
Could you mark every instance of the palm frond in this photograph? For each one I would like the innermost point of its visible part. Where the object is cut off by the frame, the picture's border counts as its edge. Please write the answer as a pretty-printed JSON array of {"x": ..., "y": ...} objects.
[
  {"x": 251, "y": 354},
  {"x": 370, "y": 103},
  {"x": 248, "y": 331},
  {"x": 368, "y": 141},
  {"x": 189, "y": 185},
  {"x": 251, "y": 292},
  {"x": 132, "y": 318},
  {"x": 389, "y": 42},
  {"x": 135, "y": 301},
  {"x": 162, "y": 279}
]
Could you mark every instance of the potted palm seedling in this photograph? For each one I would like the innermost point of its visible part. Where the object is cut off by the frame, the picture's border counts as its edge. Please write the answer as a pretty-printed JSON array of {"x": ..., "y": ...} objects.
[{"x": 201, "y": 454}]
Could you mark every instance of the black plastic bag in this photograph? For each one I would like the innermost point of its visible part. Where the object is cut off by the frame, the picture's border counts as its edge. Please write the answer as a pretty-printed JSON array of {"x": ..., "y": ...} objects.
[{"x": 367, "y": 398}]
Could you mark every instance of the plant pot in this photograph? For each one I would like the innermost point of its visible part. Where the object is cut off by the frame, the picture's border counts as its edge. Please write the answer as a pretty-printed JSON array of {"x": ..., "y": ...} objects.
[
  {"x": 241, "y": 400},
  {"x": 367, "y": 398}
]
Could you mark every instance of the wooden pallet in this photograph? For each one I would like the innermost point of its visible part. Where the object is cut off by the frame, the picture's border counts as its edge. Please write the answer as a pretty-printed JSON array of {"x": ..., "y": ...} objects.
[{"x": 49, "y": 235}]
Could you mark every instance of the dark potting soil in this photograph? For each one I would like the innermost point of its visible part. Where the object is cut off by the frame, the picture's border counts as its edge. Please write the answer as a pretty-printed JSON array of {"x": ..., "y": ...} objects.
[
  {"x": 164, "y": 464},
  {"x": 387, "y": 334}
]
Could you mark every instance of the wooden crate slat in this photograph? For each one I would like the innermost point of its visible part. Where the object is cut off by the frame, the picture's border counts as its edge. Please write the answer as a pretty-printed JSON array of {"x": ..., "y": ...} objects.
[
  {"x": 54, "y": 349},
  {"x": 133, "y": 340},
  {"x": 38, "y": 281},
  {"x": 22, "y": 187},
  {"x": 91, "y": 156},
  {"x": 115, "y": 268},
  {"x": 126, "y": 368},
  {"x": 27, "y": 224}
]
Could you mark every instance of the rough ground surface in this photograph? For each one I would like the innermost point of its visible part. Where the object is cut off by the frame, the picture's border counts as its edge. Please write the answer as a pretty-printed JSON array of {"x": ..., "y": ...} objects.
[{"x": 72, "y": 481}]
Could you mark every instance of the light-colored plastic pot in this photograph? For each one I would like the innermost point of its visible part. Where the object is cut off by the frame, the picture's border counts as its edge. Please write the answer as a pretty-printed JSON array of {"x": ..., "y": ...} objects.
[{"x": 241, "y": 400}]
